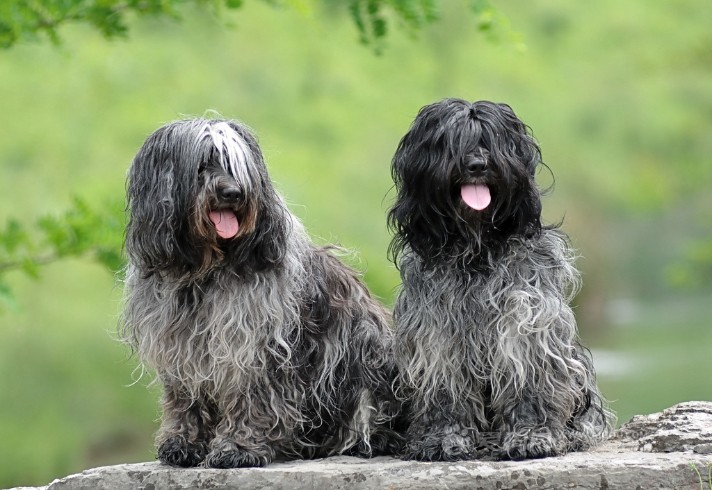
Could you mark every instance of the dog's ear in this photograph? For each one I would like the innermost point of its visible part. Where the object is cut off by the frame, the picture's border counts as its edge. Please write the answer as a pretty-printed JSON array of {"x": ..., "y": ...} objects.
[
  {"x": 268, "y": 241},
  {"x": 422, "y": 169},
  {"x": 407, "y": 163},
  {"x": 423, "y": 198},
  {"x": 524, "y": 146},
  {"x": 527, "y": 218},
  {"x": 160, "y": 186},
  {"x": 528, "y": 151}
]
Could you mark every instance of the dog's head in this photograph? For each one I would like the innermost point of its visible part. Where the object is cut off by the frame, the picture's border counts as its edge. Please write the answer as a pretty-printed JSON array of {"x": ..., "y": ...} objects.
[
  {"x": 199, "y": 196},
  {"x": 464, "y": 173}
]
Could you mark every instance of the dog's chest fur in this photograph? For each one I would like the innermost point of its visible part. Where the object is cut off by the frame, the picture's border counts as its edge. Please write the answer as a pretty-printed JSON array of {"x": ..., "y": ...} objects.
[
  {"x": 221, "y": 335},
  {"x": 461, "y": 329}
]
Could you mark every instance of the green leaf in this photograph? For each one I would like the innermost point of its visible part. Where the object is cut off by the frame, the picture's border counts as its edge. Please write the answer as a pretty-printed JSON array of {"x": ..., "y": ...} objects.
[
  {"x": 379, "y": 27},
  {"x": 13, "y": 237},
  {"x": 31, "y": 268}
]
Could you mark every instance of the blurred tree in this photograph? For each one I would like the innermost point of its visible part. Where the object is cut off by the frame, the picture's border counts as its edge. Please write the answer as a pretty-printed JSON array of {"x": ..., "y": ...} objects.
[
  {"x": 82, "y": 231},
  {"x": 28, "y": 19}
]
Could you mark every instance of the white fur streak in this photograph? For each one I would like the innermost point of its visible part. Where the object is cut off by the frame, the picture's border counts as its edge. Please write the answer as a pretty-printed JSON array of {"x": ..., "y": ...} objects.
[{"x": 234, "y": 154}]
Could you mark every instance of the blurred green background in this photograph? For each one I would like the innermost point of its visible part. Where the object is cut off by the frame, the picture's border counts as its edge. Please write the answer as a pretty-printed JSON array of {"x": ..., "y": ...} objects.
[{"x": 619, "y": 95}]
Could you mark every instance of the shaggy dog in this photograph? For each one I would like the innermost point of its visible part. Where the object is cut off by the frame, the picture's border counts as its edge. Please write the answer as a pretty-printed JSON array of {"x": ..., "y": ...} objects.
[
  {"x": 267, "y": 346},
  {"x": 486, "y": 343}
]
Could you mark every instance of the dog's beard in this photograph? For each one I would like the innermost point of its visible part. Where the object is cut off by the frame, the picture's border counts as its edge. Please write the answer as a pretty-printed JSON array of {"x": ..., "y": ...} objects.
[
  {"x": 239, "y": 228},
  {"x": 469, "y": 221}
]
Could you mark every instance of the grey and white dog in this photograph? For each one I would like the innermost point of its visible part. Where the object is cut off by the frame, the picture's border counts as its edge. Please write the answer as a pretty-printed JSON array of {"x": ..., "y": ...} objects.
[
  {"x": 486, "y": 342},
  {"x": 267, "y": 346}
]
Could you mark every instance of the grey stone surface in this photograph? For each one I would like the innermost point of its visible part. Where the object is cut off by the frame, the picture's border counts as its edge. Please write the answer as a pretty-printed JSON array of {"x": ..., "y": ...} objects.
[
  {"x": 667, "y": 450},
  {"x": 684, "y": 427}
]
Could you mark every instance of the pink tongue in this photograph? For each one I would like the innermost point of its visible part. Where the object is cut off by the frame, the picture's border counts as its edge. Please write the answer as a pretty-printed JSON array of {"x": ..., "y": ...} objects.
[
  {"x": 477, "y": 196},
  {"x": 225, "y": 223}
]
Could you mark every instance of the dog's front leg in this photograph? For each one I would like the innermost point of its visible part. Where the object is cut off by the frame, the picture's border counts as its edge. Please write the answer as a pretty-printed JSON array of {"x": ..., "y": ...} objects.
[
  {"x": 241, "y": 438},
  {"x": 186, "y": 428},
  {"x": 436, "y": 434},
  {"x": 532, "y": 429}
]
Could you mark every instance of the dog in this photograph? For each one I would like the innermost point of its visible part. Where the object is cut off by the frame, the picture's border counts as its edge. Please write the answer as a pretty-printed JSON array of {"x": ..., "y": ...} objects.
[
  {"x": 489, "y": 360},
  {"x": 267, "y": 346}
]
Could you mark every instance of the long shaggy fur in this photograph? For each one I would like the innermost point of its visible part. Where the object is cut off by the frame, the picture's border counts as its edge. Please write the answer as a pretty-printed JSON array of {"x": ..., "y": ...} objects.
[
  {"x": 486, "y": 342},
  {"x": 266, "y": 345}
]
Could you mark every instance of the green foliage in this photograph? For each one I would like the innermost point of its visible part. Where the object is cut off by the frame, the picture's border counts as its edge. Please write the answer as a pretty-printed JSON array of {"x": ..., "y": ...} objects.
[
  {"x": 82, "y": 231},
  {"x": 28, "y": 19},
  {"x": 372, "y": 16},
  {"x": 21, "y": 19}
]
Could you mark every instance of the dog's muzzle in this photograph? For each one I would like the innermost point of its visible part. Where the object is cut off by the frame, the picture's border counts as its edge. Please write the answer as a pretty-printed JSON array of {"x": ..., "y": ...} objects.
[{"x": 475, "y": 193}]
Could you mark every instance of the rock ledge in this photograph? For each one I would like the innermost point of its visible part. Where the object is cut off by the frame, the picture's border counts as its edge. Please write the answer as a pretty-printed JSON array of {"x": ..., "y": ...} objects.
[{"x": 670, "y": 450}]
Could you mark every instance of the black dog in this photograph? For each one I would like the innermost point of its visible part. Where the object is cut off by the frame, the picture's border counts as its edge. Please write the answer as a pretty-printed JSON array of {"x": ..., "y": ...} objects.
[{"x": 486, "y": 342}]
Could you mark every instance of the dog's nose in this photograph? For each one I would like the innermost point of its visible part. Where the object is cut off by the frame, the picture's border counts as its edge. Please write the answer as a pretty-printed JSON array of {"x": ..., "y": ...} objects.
[
  {"x": 476, "y": 165},
  {"x": 231, "y": 194}
]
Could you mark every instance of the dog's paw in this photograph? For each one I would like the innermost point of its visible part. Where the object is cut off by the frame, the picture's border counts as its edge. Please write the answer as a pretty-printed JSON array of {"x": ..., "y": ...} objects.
[
  {"x": 176, "y": 451},
  {"x": 456, "y": 447},
  {"x": 232, "y": 456},
  {"x": 533, "y": 444},
  {"x": 452, "y": 446}
]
